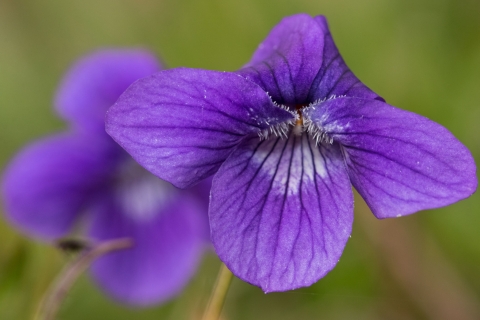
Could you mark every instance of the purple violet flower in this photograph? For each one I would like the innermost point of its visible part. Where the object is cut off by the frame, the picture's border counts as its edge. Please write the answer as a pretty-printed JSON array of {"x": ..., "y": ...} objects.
[
  {"x": 84, "y": 174},
  {"x": 285, "y": 137}
]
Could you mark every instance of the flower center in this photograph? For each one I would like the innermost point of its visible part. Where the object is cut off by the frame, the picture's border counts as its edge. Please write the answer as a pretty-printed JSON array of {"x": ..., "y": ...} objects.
[
  {"x": 302, "y": 123},
  {"x": 298, "y": 127}
]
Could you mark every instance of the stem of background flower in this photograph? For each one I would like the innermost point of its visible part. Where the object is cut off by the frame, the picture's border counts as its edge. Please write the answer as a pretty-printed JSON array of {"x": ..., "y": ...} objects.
[
  {"x": 217, "y": 298},
  {"x": 56, "y": 293}
]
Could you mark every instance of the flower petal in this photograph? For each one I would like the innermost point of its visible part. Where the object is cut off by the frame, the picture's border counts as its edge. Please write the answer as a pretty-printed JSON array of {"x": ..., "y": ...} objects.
[
  {"x": 287, "y": 61},
  {"x": 281, "y": 211},
  {"x": 334, "y": 77},
  {"x": 181, "y": 124},
  {"x": 51, "y": 181},
  {"x": 299, "y": 63},
  {"x": 167, "y": 245},
  {"x": 398, "y": 161},
  {"x": 95, "y": 82}
]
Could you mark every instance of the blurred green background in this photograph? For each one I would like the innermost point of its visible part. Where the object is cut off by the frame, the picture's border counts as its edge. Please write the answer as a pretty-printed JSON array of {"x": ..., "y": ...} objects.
[{"x": 420, "y": 55}]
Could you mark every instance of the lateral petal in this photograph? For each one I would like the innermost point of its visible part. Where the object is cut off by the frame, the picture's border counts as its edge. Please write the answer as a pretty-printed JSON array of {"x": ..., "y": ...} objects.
[
  {"x": 181, "y": 124},
  {"x": 400, "y": 162},
  {"x": 95, "y": 82},
  {"x": 286, "y": 214},
  {"x": 168, "y": 228},
  {"x": 52, "y": 180}
]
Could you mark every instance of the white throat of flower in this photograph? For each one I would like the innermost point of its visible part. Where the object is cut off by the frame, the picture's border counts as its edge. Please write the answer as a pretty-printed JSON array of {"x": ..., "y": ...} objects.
[{"x": 141, "y": 195}]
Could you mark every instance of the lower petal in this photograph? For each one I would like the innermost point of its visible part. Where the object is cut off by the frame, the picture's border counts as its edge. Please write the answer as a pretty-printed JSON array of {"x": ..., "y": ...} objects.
[
  {"x": 281, "y": 211},
  {"x": 167, "y": 247}
]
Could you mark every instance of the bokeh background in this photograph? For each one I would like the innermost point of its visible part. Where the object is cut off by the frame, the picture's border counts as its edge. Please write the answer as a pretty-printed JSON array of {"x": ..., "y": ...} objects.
[{"x": 420, "y": 55}]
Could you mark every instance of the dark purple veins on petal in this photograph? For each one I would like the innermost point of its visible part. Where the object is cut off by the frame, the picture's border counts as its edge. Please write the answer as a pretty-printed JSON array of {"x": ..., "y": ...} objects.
[{"x": 286, "y": 215}]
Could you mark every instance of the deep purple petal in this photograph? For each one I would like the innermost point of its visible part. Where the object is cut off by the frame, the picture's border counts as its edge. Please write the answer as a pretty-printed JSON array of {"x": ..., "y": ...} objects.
[
  {"x": 398, "y": 161},
  {"x": 287, "y": 61},
  {"x": 168, "y": 230},
  {"x": 51, "y": 181},
  {"x": 298, "y": 63},
  {"x": 334, "y": 78},
  {"x": 281, "y": 211},
  {"x": 95, "y": 82},
  {"x": 181, "y": 124}
]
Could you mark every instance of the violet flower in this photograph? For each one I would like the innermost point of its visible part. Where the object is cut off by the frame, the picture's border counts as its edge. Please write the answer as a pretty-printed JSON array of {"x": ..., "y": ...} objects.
[
  {"x": 82, "y": 174},
  {"x": 285, "y": 137}
]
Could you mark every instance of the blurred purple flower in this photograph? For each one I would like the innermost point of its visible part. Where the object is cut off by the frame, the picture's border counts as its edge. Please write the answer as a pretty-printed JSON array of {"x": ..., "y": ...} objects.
[
  {"x": 83, "y": 174},
  {"x": 285, "y": 137}
]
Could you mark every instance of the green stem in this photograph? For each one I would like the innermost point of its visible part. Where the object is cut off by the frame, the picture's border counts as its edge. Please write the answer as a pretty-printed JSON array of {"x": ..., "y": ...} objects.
[
  {"x": 64, "y": 281},
  {"x": 217, "y": 298}
]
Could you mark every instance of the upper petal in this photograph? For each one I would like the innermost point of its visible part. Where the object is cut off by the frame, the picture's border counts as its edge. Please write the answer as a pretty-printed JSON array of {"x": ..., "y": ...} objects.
[
  {"x": 168, "y": 230},
  {"x": 287, "y": 61},
  {"x": 281, "y": 211},
  {"x": 334, "y": 78},
  {"x": 95, "y": 82},
  {"x": 398, "y": 161},
  {"x": 52, "y": 180},
  {"x": 181, "y": 124},
  {"x": 299, "y": 63}
]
